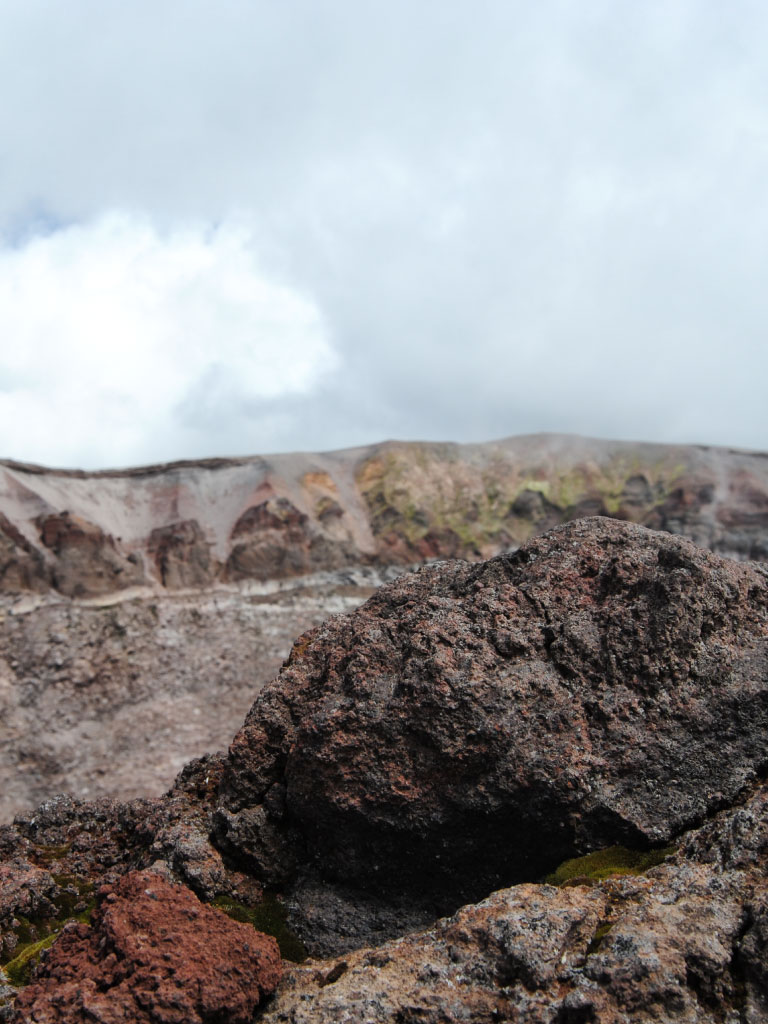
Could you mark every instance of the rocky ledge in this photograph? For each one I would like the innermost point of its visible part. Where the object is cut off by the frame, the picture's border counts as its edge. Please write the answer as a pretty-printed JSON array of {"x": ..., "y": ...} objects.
[{"x": 529, "y": 789}]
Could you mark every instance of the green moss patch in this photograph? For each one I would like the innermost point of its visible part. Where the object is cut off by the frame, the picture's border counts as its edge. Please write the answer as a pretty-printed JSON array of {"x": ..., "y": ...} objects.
[
  {"x": 73, "y": 902},
  {"x": 615, "y": 860},
  {"x": 270, "y": 917},
  {"x": 19, "y": 970},
  {"x": 47, "y": 855}
]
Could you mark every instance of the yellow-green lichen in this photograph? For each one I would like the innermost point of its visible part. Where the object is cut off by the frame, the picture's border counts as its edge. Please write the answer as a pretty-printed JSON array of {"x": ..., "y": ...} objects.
[
  {"x": 413, "y": 491},
  {"x": 614, "y": 860},
  {"x": 270, "y": 917},
  {"x": 74, "y": 901},
  {"x": 597, "y": 939},
  {"x": 19, "y": 970}
]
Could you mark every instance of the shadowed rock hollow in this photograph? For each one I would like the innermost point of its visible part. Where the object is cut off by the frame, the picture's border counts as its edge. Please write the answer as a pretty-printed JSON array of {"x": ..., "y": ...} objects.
[{"x": 473, "y": 725}]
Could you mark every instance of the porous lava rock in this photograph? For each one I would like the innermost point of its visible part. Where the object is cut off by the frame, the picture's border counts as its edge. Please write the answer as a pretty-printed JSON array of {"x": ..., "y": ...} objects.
[
  {"x": 687, "y": 942},
  {"x": 153, "y": 955},
  {"x": 26, "y": 891},
  {"x": 473, "y": 725}
]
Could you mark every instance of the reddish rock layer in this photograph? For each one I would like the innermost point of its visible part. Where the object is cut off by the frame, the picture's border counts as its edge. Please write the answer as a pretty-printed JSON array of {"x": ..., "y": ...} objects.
[
  {"x": 182, "y": 555},
  {"x": 274, "y": 539},
  {"x": 152, "y": 955},
  {"x": 88, "y": 561},
  {"x": 21, "y": 565}
]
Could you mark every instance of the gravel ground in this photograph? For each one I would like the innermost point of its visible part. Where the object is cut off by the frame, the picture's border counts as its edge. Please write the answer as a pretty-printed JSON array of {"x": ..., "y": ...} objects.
[{"x": 111, "y": 698}]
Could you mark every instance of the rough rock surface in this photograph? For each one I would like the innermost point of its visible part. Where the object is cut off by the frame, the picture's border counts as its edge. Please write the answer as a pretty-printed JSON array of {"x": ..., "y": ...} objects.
[
  {"x": 21, "y": 565},
  {"x": 181, "y": 555},
  {"x": 108, "y": 698},
  {"x": 688, "y": 943},
  {"x": 153, "y": 954},
  {"x": 88, "y": 561},
  {"x": 474, "y": 725},
  {"x": 26, "y": 891},
  {"x": 468, "y": 727},
  {"x": 275, "y": 539}
]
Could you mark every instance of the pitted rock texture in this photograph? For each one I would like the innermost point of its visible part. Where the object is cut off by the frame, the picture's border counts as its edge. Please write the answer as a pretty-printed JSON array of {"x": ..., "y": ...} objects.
[
  {"x": 687, "y": 943},
  {"x": 111, "y": 699},
  {"x": 474, "y": 725},
  {"x": 26, "y": 891},
  {"x": 470, "y": 725},
  {"x": 152, "y": 955}
]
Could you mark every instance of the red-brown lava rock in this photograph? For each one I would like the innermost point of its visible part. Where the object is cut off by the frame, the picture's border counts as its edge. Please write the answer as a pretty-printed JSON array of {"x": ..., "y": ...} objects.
[
  {"x": 473, "y": 725},
  {"x": 153, "y": 955}
]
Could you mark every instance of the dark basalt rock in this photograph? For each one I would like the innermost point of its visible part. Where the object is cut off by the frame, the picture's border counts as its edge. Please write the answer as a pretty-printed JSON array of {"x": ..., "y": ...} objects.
[{"x": 474, "y": 725}]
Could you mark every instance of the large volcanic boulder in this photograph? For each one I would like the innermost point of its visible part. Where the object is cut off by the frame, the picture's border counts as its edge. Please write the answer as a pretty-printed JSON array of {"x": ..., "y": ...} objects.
[
  {"x": 152, "y": 955},
  {"x": 474, "y": 725}
]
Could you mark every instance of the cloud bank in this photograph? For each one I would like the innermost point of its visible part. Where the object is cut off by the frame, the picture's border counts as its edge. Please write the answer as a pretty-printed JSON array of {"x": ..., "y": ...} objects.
[
  {"x": 132, "y": 344},
  {"x": 482, "y": 220}
]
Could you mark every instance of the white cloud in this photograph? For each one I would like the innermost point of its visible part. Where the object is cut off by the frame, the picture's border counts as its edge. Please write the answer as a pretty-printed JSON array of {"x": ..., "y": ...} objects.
[
  {"x": 113, "y": 333},
  {"x": 514, "y": 217}
]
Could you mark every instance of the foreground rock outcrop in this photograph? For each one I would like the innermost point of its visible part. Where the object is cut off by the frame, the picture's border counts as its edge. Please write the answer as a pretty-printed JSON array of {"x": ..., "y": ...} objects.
[
  {"x": 213, "y": 540},
  {"x": 472, "y": 726},
  {"x": 438, "y": 751},
  {"x": 688, "y": 943}
]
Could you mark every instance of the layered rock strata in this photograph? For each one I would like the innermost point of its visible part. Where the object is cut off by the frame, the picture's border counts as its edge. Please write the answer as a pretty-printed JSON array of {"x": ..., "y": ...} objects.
[{"x": 196, "y": 524}]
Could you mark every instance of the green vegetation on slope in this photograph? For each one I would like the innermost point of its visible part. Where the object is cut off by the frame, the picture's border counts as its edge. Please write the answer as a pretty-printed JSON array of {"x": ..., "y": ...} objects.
[{"x": 417, "y": 493}]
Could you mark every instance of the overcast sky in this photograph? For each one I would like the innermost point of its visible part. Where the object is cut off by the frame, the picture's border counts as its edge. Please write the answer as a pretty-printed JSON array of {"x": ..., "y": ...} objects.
[{"x": 251, "y": 226}]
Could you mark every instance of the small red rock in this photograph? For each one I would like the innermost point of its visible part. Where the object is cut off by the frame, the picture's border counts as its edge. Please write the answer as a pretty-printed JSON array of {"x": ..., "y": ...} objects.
[{"x": 153, "y": 955}]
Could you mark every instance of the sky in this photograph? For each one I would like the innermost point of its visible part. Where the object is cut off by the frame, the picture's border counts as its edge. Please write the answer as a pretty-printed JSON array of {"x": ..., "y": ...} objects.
[{"x": 247, "y": 226}]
